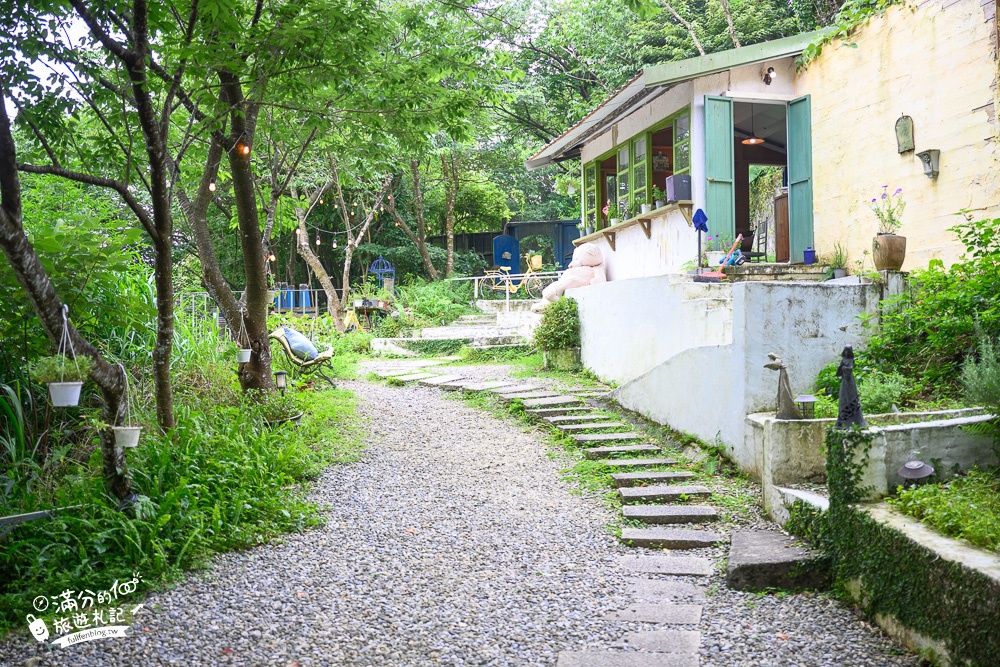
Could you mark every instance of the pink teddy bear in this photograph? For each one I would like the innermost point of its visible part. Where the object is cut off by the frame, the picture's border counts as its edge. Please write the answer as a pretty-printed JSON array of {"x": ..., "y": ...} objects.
[{"x": 587, "y": 268}]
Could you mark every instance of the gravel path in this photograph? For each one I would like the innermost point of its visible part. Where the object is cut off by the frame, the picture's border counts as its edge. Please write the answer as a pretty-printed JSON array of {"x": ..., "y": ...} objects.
[{"x": 453, "y": 542}]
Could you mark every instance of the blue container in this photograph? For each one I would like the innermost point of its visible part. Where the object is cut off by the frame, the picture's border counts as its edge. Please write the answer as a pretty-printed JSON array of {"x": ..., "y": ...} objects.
[
  {"x": 287, "y": 299},
  {"x": 304, "y": 301},
  {"x": 809, "y": 256}
]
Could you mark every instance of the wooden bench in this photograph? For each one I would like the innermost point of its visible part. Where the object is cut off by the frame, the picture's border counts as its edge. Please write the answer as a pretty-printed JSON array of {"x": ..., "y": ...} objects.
[{"x": 304, "y": 366}]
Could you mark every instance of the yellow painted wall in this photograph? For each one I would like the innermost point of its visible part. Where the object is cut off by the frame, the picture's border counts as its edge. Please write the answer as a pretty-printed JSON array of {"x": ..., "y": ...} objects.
[{"x": 937, "y": 65}]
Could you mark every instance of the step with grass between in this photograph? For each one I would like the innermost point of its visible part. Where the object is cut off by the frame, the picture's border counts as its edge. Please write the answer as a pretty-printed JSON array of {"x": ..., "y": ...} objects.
[
  {"x": 660, "y": 514},
  {"x": 667, "y": 493},
  {"x": 638, "y": 463},
  {"x": 621, "y": 479},
  {"x": 569, "y": 428},
  {"x": 670, "y": 538}
]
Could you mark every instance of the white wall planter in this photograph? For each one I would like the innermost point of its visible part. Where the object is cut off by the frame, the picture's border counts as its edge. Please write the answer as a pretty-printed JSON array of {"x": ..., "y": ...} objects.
[
  {"x": 243, "y": 355},
  {"x": 127, "y": 436},
  {"x": 65, "y": 394}
]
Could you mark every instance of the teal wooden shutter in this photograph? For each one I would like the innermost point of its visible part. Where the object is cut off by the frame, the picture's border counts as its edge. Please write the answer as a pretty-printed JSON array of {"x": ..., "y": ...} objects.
[
  {"x": 720, "y": 197},
  {"x": 800, "y": 194}
]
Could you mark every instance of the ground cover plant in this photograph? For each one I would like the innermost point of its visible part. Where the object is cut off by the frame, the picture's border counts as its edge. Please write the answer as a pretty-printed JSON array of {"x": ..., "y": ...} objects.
[{"x": 229, "y": 477}]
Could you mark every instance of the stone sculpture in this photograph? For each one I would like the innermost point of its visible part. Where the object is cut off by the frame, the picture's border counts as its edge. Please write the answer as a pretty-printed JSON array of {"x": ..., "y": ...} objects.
[
  {"x": 849, "y": 406},
  {"x": 587, "y": 268},
  {"x": 786, "y": 401}
]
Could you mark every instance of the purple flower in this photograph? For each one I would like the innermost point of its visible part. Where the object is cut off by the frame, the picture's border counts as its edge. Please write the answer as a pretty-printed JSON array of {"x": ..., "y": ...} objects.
[
  {"x": 898, "y": 190},
  {"x": 884, "y": 196},
  {"x": 874, "y": 200},
  {"x": 884, "y": 187}
]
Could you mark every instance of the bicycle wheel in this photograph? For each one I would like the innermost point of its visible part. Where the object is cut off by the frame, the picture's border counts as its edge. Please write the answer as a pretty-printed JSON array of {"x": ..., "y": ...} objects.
[
  {"x": 492, "y": 287},
  {"x": 533, "y": 286}
]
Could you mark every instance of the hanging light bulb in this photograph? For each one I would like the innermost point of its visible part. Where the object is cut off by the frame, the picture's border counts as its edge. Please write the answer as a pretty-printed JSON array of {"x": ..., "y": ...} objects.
[
  {"x": 334, "y": 245},
  {"x": 270, "y": 257},
  {"x": 753, "y": 139},
  {"x": 397, "y": 223},
  {"x": 245, "y": 149},
  {"x": 317, "y": 240},
  {"x": 321, "y": 200},
  {"x": 211, "y": 185}
]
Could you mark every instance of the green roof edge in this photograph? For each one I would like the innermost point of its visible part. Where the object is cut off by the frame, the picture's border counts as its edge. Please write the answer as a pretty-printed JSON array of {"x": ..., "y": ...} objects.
[{"x": 711, "y": 63}]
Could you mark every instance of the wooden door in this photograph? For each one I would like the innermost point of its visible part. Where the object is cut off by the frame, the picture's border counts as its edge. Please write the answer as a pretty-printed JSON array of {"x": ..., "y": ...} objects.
[{"x": 781, "y": 228}]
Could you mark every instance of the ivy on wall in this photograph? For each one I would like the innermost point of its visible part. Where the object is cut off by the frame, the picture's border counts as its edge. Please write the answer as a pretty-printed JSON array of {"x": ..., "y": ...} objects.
[
  {"x": 939, "y": 599},
  {"x": 852, "y": 14}
]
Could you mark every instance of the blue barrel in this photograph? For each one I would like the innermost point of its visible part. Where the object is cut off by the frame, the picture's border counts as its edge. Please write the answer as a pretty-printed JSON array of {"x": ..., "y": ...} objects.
[
  {"x": 809, "y": 256},
  {"x": 287, "y": 298},
  {"x": 304, "y": 301}
]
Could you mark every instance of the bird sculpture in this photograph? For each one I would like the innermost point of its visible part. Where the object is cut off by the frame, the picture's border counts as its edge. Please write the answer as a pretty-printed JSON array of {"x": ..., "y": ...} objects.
[{"x": 786, "y": 402}]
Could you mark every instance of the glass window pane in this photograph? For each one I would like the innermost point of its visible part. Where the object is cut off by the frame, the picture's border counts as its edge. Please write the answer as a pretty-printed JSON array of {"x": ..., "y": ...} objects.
[
  {"x": 639, "y": 177},
  {"x": 623, "y": 188},
  {"x": 683, "y": 127},
  {"x": 639, "y": 146},
  {"x": 591, "y": 176},
  {"x": 611, "y": 186},
  {"x": 682, "y": 156},
  {"x": 623, "y": 158},
  {"x": 591, "y": 199}
]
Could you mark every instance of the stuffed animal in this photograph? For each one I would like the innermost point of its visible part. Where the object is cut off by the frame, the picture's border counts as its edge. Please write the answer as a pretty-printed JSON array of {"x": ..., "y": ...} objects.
[{"x": 587, "y": 268}]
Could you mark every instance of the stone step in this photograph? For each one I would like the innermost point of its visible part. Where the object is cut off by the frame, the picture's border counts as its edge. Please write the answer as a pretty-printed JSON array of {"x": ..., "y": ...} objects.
[
  {"x": 517, "y": 389},
  {"x": 636, "y": 463},
  {"x": 644, "y": 612},
  {"x": 483, "y": 386},
  {"x": 663, "y": 641},
  {"x": 625, "y": 659},
  {"x": 454, "y": 385},
  {"x": 621, "y": 479},
  {"x": 664, "y": 493},
  {"x": 658, "y": 590},
  {"x": 544, "y": 413},
  {"x": 439, "y": 380},
  {"x": 414, "y": 376},
  {"x": 678, "y": 565},
  {"x": 670, "y": 538},
  {"x": 761, "y": 559},
  {"x": 595, "y": 425},
  {"x": 508, "y": 398},
  {"x": 600, "y": 452},
  {"x": 575, "y": 419},
  {"x": 554, "y": 402},
  {"x": 670, "y": 513},
  {"x": 609, "y": 437},
  {"x": 395, "y": 372}
]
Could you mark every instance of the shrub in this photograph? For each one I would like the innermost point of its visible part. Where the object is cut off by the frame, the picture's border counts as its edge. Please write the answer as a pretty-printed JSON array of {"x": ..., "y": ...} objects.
[
  {"x": 60, "y": 368},
  {"x": 437, "y": 302},
  {"x": 560, "y": 326},
  {"x": 966, "y": 507},
  {"x": 981, "y": 378},
  {"x": 879, "y": 391}
]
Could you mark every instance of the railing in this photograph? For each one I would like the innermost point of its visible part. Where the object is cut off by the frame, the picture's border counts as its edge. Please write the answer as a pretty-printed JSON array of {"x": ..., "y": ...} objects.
[
  {"x": 509, "y": 279},
  {"x": 200, "y": 306}
]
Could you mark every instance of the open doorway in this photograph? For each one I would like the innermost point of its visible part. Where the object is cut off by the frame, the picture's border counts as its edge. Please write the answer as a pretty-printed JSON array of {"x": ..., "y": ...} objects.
[{"x": 761, "y": 163}]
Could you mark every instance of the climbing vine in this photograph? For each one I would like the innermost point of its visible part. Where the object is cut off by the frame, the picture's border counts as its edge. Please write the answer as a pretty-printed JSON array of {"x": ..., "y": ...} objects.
[
  {"x": 852, "y": 14},
  {"x": 890, "y": 574}
]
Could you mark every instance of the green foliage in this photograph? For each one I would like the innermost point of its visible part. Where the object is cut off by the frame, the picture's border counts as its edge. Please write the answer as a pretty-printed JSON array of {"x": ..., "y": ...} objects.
[
  {"x": 433, "y": 347},
  {"x": 981, "y": 377},
  {"x": 59, "y": 368},
  {"x": 494, "y": 355},
  {"x": 966, "y": 507},
  {"x": 852, "y": 14},
  {"x": 560, "y": 326},
  {"x": 223, "y": 480},
  {"x": 846, "y": 458},
  {"x": 438, "y": 302},
  {"x": 926, "y": 333}
]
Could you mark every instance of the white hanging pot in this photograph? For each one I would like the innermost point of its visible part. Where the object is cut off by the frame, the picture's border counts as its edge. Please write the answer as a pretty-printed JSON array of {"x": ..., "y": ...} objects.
[
  {"x": 127, "y": 436},
  {"x": 243, "y": 355},
  {"x": 65, "y": 394}
]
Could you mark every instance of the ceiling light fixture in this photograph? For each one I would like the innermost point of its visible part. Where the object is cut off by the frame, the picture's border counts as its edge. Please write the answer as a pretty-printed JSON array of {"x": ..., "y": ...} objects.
[{"x": 753, "y": 139}]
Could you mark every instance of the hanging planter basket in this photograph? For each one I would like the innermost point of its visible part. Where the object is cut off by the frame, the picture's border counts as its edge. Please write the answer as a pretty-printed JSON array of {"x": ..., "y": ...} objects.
[
  {"x": 243, "y": 355},
  {"x": 127, "y": 436},
  {"x": 65, "y": 394}
]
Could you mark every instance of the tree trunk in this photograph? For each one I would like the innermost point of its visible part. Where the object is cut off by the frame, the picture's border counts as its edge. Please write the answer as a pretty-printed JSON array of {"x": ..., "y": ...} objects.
[
  {"x": 729, "y": 22},
  {"x": 450, "y": 194},
  {"x": 420, "y": 238},
  {"x": 687, "y": 25},
  {"x": 31, "y": 275},
  {"x": 333, "y": 304}
]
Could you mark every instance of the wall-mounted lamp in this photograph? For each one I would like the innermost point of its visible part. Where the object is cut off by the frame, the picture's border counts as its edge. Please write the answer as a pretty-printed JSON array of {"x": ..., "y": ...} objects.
[
  {"x": 807, "y": 405},
  {"x": 930, "y": 159},
  {"x": 280, "y": 381},
  {"x": 769, "y": 75}
]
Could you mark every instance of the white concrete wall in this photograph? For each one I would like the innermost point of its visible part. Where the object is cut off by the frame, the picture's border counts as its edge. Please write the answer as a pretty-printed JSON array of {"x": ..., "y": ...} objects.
[
  {"x": 806, "y": 324},
  {"x": 672, "y": 243},
  {"x": 628, "y": 327}
]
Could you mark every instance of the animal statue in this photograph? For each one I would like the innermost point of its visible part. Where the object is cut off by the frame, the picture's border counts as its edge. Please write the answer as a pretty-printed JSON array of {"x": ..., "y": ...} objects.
[
  {"x": 849, "y": 405},
  {"x": 786, "y": 402},
  {"x": 587, "y": 268}
]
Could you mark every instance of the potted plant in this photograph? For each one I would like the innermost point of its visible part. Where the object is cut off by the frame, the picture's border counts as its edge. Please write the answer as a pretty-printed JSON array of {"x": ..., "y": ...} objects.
[
  {"x": 243, "y": 355},
  {"x": 64, "y": 376},
  {"x": 646, "y": 208},
  {"x": 659, "y": 197},
  {"x": 558, "y": 335},
  {"x": 888, "y": 249},
  {"x": 838, "y": 261},
  {"x": 716, "y": 248},
  {"x": 611, "y": 213},
  {"x": 127, "y": 436}
]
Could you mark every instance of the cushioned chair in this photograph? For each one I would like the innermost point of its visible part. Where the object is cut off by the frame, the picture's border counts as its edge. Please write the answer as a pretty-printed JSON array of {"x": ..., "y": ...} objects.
[{"x": 304, "y": 366}]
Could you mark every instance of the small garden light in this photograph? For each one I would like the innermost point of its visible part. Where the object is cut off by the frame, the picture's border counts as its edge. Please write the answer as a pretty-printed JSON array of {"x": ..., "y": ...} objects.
[
  {"x": 280, "y": 381},
  {"x": 807, "y": 405}
]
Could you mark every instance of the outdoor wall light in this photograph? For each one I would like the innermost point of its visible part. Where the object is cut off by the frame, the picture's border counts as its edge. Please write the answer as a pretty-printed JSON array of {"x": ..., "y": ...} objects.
[
  {"x": 930, "y": 159},
  {"x": 769, "y": 75},
  {"x": 279, "y": 380},
  {"x": 807, "y": 405}
]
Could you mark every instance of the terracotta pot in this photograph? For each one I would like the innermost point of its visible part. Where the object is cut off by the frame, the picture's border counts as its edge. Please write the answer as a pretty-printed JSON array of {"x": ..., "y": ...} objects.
[{"x": 889, "y": 251}]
